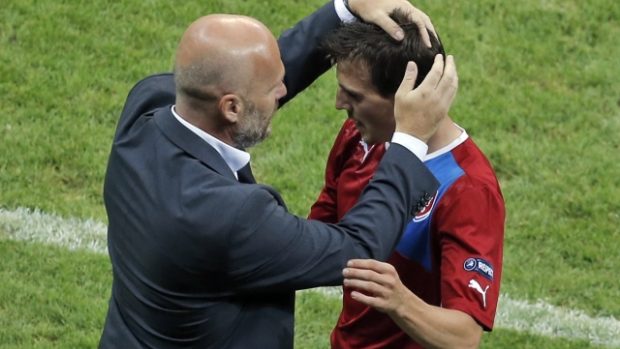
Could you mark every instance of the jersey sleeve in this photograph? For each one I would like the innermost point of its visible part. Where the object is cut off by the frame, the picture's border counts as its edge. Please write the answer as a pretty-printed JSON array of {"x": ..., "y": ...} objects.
[
  {"x": 470, "y": 222},
  {"x": 325, "y": 208}
]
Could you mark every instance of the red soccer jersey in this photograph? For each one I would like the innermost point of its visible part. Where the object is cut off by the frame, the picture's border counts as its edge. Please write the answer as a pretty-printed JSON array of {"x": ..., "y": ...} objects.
[{"x": 450, "y": 254}]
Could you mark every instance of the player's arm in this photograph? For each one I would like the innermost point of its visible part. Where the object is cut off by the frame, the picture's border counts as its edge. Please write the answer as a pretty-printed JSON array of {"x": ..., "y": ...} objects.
[
  {"x": 470, "y": 218},
  {"x": 378, "y": 285}
]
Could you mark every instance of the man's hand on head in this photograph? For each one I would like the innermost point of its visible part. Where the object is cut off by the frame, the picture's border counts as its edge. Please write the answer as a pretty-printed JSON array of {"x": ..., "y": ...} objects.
[
  {"x": 419, "y": 111},
  {"x": 378, "y": 12}
]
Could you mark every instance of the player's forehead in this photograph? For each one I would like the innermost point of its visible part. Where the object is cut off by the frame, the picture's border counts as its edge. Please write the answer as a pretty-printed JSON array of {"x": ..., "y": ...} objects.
[{"x": 354, "y": 75}]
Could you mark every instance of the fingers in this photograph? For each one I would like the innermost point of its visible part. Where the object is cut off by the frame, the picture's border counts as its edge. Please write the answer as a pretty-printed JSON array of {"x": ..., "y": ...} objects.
[
  {"x": 373, "y": 283},
  {"x": 431, "y": 27},
  {"x": 423, "y": 22},
  {"x": 434, "y": 75},
  {"x": 386, "y": 23},
  {"x": 370, "y": 264},
  {"x": 411, "y": 73},
  {"x": 431, "y": 80},
  {"x": 424, "y": 34},
  {"x": 419, "y": 111},
  {"x": 419, "y": 18},
  {"x": 449, "y": 81},
  {"x": 355, "y": 274},
  {"x": 370, "y": 270},
  {"x": 442, "y": 77},
  {"x": 378, "y": 11},
  {"x": 366, "y": 300},
  {"x": 368, "y": 287}
]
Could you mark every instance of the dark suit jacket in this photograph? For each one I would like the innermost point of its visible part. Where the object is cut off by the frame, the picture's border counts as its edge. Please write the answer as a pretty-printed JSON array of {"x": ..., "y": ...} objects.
[{"x": 201, "y": 260}]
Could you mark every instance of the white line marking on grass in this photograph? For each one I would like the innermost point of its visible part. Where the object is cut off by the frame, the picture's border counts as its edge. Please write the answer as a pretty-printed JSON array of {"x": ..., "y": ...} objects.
[
  {"x": 547, "y": 320},
  {"x": 538, "y": 318},
  {"x": 36, "y": 226}
]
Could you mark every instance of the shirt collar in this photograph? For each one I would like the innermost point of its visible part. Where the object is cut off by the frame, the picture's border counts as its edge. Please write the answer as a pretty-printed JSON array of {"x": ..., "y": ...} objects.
[
  {"x": 234, "y": 158},
  {"x": 449, "y": 147}
]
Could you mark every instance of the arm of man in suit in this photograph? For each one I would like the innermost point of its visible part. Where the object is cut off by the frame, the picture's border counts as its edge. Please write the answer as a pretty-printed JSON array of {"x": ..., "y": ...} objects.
[
  {"x": 300, "y": 49},
  {"x": 303, "y": 60},
  {"x": 272, "y": 248}
]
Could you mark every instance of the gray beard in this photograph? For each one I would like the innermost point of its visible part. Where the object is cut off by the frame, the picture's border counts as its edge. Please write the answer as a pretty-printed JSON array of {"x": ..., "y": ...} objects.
[{"x": 250, "y": 132}]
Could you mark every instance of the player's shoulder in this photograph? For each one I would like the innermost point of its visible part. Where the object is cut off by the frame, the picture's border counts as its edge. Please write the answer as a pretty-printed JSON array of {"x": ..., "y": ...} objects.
[{"x": 478, "y": 170}]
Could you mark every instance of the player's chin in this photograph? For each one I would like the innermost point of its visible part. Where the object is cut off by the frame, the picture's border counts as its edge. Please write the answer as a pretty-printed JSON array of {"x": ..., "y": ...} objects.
[{"x": 369, "y": 138}]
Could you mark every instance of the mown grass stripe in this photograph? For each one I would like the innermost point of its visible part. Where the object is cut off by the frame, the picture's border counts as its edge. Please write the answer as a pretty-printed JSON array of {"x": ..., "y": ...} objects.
[{"x": 538, "y": 318}]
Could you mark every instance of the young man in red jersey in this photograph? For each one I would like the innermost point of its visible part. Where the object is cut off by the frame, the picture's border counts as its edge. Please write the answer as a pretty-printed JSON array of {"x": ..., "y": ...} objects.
[{"x": 440, "y": 286}]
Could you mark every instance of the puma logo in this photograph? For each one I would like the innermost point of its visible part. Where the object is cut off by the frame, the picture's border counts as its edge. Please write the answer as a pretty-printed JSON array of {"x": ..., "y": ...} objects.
[{"x": 476, "y": 286}]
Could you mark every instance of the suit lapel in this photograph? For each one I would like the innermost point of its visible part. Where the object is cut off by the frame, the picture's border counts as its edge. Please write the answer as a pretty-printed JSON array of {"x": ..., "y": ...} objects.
[
  {"x": 245, "y": 174},
  {"x": 190, "y": 142},
  {"x": 201, "y": 150}
]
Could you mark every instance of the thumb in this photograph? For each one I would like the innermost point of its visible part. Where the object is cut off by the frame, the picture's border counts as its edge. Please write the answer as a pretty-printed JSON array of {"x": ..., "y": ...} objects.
[{"x": 411, "y": 73}]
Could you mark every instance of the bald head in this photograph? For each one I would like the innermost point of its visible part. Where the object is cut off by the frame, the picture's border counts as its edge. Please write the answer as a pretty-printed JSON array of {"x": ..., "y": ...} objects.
[{"x": 220, "y": 53}]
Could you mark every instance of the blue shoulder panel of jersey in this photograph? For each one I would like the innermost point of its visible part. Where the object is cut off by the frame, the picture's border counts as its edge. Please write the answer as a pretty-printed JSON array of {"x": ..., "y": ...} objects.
[{"x": 415, "y": 242}]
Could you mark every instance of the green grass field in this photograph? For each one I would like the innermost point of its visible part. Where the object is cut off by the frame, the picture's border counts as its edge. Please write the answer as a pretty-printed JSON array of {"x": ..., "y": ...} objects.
[{"x": 539, "y": 92}]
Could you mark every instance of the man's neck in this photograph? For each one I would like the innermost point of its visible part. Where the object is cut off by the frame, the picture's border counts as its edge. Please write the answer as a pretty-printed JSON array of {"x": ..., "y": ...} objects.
[
  {"x": 446, "y": 133},
  {"x": 199, "y": 118}
]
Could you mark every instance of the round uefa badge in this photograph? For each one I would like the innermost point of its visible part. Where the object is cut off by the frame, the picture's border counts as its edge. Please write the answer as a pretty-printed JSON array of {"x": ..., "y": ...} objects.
[{"x": 470, "y": 264}]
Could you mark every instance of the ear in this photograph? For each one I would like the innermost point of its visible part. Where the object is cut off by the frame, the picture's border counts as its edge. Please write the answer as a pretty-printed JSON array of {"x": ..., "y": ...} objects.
[{"x": 231, "y": 107}]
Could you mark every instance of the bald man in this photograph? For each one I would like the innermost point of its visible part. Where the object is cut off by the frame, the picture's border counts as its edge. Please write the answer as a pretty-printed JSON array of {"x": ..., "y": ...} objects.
[
  {"x": 214, "y": 81},
  {"x": 202, "y": 256}
]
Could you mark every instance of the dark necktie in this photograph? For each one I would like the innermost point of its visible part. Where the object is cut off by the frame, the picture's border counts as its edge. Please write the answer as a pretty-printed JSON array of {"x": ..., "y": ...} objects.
[{"x": 245, "y": 174}]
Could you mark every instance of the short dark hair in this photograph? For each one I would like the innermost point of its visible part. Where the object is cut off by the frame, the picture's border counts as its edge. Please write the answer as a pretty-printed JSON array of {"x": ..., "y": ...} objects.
[{"x": 386, "y": 58}]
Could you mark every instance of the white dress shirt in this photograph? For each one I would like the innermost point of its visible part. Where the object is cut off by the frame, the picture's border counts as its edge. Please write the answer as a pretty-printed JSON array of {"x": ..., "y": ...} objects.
[{"x": 235, "y": 159}]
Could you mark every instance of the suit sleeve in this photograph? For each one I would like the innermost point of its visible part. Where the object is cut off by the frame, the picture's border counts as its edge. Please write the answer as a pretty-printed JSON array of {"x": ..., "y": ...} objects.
[
  {"x": 270, "y": 248},
  {"x": 303, "y": 60}
]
